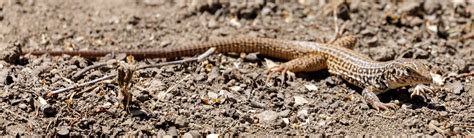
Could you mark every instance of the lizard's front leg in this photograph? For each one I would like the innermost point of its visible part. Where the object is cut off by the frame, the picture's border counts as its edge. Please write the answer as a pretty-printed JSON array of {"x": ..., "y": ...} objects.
[
  {"x": 374, "y": 101},
  {"x": 420, "y": 90}
]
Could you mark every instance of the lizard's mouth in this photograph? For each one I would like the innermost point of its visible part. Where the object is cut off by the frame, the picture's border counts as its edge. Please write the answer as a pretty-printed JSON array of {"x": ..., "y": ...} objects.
[{"x": 418, "y": 80}]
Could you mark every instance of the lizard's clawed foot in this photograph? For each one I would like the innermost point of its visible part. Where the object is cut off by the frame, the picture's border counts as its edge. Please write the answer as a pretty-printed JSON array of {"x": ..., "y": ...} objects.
[
  {"x": 384, "y": 106},
  {"x": 420, "y": 90},
  {"x": 282, "y": 70}
]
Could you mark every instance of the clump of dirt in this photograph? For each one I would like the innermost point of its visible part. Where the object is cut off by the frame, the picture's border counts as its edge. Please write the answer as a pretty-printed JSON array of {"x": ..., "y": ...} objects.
[{"x": 226, "y": 94}]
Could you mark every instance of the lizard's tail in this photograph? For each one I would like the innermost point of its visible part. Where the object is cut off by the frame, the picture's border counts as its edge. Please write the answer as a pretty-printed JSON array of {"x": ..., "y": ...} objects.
[{"x": 269, "y": 47}]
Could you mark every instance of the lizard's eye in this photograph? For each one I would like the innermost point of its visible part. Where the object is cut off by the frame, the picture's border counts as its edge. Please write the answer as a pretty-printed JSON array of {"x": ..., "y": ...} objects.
[{"x": 409, "y": 71}]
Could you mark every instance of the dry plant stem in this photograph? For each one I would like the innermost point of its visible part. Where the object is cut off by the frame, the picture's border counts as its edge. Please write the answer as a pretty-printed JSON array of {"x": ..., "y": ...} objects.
[
  {"x": 199, "y": 58},
  {"x": 338, "y": 31},
  {"x": 75, "y": 76},
  {"x": 466, "y": 74},
  {"x": 439, "y": 130},
  {"x": 81, "y": 85}
]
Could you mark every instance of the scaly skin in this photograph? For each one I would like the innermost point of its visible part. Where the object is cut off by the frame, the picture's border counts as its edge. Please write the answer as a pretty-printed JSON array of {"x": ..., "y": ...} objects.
[{"x": 375, "y": 77}]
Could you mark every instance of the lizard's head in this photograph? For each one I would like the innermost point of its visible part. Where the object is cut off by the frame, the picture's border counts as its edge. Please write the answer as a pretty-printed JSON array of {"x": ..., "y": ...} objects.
[{"x": 409, "y": 72}]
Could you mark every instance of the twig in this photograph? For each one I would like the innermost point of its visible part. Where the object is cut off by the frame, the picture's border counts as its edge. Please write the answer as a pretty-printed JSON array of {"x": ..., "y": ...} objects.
[
  {"x": 462, "y": 75},
  {"x": 439, "y": 130},
  {"x": 338, "y": 31},
  {"x": 336, "y": 27},
  {"x": 465, "y": 74},
  {"x": 467, "y": 36},
  {"x": 79, "y": 73},
  {"x": 199, "y": 58},
  {"x": 80, "y": 85},
  {"x": 174, "y": 86}
]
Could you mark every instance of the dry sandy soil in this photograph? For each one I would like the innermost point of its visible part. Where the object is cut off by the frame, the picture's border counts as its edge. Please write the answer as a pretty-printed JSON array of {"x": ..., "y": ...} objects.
[{"x": 227, "y": 94}]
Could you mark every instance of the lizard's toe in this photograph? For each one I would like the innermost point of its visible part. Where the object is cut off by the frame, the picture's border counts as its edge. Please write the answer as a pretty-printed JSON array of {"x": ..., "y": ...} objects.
[
  {"x": 384, "y": 106},
  {"x": 421, "y": 90},
  {"x": 282, "y": 70}
]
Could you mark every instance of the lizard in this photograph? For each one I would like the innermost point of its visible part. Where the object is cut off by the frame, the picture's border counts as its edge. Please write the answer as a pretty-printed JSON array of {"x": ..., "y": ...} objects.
[{"x": 374, "y": 77}]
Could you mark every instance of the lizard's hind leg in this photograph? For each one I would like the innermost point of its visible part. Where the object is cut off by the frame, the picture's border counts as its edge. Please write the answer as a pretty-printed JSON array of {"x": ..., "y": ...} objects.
[
  {"x": 346, "y": 41},
  {"x": 308, "y": 63}
]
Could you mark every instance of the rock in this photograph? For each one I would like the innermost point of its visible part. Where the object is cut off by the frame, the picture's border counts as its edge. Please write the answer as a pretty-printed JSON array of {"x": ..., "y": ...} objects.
[
  {"x": 212, "y": 24},
  {"x": 372, "y": 42},
  {"x": 63, "y": 131},
  {"x": 286, "y": 120},
  {"x": 257, "y": 104},
  {"x": 268, "y": 116},
  {"x": 187, "y": 135},
  {"x": 383, "y": 54},
  {"x": 251, "y": 57},
  {"x": 192, "y": 134},
  {"x": 161, "y": 96},
  {"x": 10, "y": 53},
  {"x": 181, "y": 121},
  {"x": 460, "y": 63},
  {"x": 456, "y": 87},
  {"x": 137, "y": 112},
  {"x": 5, "y": 77},
  {"x": 199, "y": 77},
  {"x": 48, "y": 110},
  {"x": 311, "y": 87},
  {"x": 212, "y": 136},
  {"x": 212, "y": 95},
  {"x": 443, "y": 113},
  {"x": 344, "y": 122},
  {"x": 411, "y": 6},
  {"x": 234, "y": 22},
  {"x": 437, "y": 79},
  {"x": 285, "y": 113},
  {"x": 265, "y": 11},
  {"x": 143, "y": 96},
  {"x": 335, "y": 104},
  {"x": 22, "y": 106},
  {"x": 302, "y": 114},
  {"x": 172, "y": 131},
  {"x": 300, "y": 100},
  {"x": 168, "y": 136},
  {"x": 214, "y": 74},
  {"x": 364, "y": 106},
  {"x": 236, "y": 88},
  {"x": 431, "y": 6},
  {"x": 161, "y": 133},
  {"x": 153, "y": 2}
]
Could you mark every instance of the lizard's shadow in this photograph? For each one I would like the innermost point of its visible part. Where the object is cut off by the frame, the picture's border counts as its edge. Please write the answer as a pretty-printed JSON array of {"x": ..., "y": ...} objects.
[
  {"x": 417, "y": 102},
  {"x": 314, "y": 76},
  {"x": 403, "y": 95}
]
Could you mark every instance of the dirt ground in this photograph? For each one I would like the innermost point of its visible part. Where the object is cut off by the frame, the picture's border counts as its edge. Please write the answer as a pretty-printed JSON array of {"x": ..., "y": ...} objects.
[{"x": 226, "y": 94}]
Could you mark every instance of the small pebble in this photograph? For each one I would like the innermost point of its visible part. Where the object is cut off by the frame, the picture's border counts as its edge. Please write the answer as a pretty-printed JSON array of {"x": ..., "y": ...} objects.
[
  {"x": 302, "y": 114},
  {"x": 63, "y": 131},
  {"x": 48, "y": 110},
  {"x": 181, "y": 121},
  {"x": 285, "y": 113},
  {"x": 212, "y": 136},
  {"x": 300, "y": 100},
  {"x": 172, "y": 131},
  {"x": 456, "y": 87},
  {"x": 268, "y": 116},
  {"x": 22, "y": 106},
  {"x": 311, "y": 87},
  {"x": 251, "y": 57}
]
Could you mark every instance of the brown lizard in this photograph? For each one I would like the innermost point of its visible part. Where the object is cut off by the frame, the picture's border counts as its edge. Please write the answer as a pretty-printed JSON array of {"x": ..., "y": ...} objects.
[{"x": 373, "y": 76}]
